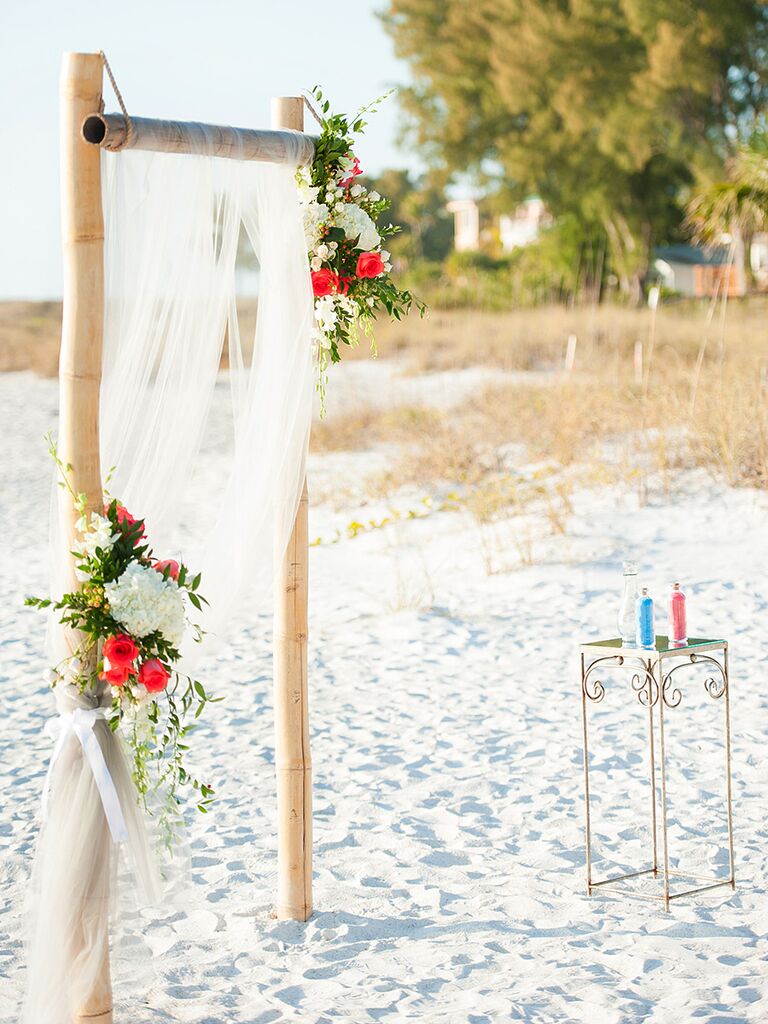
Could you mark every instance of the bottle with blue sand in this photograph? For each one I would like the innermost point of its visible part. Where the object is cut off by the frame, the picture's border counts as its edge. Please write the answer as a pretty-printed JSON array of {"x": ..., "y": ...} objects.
[{"x": 646, "y": 632}]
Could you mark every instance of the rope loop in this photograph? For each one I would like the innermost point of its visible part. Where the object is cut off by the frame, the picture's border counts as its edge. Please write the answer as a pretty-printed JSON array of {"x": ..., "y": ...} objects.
[
  {"x": 312, "y": 111},
  {"x": 119, "y": 95}
]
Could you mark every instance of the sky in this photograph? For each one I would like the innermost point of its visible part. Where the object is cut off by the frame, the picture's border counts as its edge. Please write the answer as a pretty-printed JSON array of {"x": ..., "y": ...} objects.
[{"x": 218, "y": 61}]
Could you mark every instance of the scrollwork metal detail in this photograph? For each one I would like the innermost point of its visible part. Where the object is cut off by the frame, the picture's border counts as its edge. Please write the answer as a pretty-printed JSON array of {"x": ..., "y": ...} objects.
[
  {"x": 670, "y": 694},
  {"x": 714, "y": 687},
  {"x": 646, "y": 688},
  {"x": 597, "y": 691}
]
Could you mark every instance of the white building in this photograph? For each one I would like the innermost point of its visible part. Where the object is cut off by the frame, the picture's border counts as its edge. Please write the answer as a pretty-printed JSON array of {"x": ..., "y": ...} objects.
[
  {"x": 514, "y": 230},
  {"x": 466, "y": 224}
]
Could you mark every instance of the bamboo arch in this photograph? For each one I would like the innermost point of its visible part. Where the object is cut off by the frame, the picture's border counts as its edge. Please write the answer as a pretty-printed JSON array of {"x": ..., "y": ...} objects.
[{"x": 84, "y": 129}]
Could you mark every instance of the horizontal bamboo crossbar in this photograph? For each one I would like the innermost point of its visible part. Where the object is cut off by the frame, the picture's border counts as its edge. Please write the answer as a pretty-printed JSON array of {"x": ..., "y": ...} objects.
[{"x": 110, "y": 131}]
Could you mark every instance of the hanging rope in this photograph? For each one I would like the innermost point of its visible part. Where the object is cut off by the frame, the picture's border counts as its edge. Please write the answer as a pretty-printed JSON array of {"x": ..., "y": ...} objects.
[
  {"x": 312, "y": 111},
  {"x": 119, "y": 95}
]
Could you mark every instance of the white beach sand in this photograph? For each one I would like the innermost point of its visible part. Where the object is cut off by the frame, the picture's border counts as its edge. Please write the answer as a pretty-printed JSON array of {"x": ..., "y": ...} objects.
[{"x": 446, "y": 739}]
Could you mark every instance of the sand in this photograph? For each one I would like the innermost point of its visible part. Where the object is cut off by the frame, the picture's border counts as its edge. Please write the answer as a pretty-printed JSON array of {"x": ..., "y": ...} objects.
[{"x": 446, "y": 739}]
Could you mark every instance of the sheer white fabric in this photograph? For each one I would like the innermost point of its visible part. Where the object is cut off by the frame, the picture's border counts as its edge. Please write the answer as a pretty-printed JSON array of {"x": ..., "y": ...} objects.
[{"x": 172, "y": 226}]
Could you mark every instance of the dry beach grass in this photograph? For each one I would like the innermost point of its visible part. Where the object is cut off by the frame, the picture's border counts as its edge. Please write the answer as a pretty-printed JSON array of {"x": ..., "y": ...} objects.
[{"x": 701, "y": 401}]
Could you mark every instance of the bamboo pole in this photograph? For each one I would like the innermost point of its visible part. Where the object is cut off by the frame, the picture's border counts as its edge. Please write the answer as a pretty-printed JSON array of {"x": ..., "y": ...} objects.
[
  {"x": 80, "y": 356},
  {"x": 110, "y": 131},
  {"x": 292, "y": 756}
]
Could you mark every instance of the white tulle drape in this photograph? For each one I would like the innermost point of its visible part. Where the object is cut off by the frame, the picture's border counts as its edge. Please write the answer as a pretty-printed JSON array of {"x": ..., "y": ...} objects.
[{"x": 173, "y": 224}]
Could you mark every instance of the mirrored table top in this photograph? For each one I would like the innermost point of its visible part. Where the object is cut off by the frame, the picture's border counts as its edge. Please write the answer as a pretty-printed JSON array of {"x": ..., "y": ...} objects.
[{"x": 664, "y": 647}]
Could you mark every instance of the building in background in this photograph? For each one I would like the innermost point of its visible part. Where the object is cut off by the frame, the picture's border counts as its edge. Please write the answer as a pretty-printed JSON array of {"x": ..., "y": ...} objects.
[
  {"x": 466, "y": 224},
  {"x": 696, "y": 272},
  {"x": 524, "y": 225},
  {"x": 473, "y": 231}
]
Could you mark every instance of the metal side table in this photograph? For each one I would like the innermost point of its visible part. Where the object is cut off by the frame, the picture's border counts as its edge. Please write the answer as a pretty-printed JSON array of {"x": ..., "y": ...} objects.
[{"x": 653, "y": 671}]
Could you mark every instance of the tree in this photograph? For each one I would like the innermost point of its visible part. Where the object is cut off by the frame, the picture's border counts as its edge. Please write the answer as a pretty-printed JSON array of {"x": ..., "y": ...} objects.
[
  {"x": 418, "y": 205},
  {"x": 736, "y": 208},
  {"x": 607, "y": 109}
]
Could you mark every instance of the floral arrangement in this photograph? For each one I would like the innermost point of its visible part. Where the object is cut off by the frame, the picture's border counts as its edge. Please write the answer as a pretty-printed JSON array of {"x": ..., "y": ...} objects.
[
  {"x": 131, "y": 611},
  {"x": 349, "y": 264}
]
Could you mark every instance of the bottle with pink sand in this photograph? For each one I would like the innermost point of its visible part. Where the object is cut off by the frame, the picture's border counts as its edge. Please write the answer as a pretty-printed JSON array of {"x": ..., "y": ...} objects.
[{"x": 678, "y": 627}]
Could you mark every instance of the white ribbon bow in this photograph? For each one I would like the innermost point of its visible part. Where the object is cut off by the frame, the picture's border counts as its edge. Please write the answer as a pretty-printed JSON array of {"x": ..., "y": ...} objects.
[{"x": 81, "y": 722}]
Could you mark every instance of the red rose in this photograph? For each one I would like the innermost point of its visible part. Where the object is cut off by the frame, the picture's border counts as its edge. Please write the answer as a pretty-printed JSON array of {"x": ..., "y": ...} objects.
[
  {"x": 124, "y": 516},
  {"x": 116, "y": 676},
  {"x": 324, "y": 282},
  {"x": 154, "y": 675},
  {"x": 120, "y": 650},
  {"x": 369, "y": 264},
  {"x": 352, "y": 173},
  {"x": 171, "y": 565}
]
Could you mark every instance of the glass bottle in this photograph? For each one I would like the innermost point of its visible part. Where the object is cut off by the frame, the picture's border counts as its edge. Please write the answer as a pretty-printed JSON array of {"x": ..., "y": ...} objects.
[
  {"x": 646, "y": 631},
  {"x": 678, "y": 628},
  {"x": 627, "y": 606}
]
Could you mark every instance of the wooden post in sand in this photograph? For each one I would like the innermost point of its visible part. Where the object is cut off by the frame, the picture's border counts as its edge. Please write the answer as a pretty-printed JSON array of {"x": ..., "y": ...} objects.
[
  {"x": 292, "y": 757},
  {"x": 81, "y": 344}
]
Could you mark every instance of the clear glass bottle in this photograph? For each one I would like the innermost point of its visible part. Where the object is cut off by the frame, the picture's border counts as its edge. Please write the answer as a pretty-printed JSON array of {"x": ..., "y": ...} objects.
[{"x": 626, "y": 620}]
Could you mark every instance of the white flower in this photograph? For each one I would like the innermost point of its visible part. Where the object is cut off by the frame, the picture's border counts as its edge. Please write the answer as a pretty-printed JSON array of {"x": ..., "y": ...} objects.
[
  {"x": 321, "y": 339},
  {"x": 316, "y": 263},
  {"x": 357, "y": 224},
  {"x": 346, "y": 163},
  {"x": 95, "y": 534},
  {"x": 370, "y": 300},
  {"x": 325, "y": 313},
  {"x": 340, "y": 207},
  {"x": 142, "y": 601},
  {"x": 374, "y": 196},
  {"x": 141, "y": 693},
  {"x": 385, "y": 255},
  {"x": 387, "y": 266},
  {"x": 356, "y": 190},
  {"x": 315, "y": 215},
  {"x": 323, "y": 251},
  {"x": 307, "y": 194}
]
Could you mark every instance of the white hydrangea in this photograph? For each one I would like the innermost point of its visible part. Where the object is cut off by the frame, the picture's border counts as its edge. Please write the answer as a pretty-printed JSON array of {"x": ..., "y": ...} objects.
[
  {"x": 142, "y": 601},
  {"x": 96, "y": 533},
  {"x": 315, "y": 215},
  {"x": 355, "y": 222}
]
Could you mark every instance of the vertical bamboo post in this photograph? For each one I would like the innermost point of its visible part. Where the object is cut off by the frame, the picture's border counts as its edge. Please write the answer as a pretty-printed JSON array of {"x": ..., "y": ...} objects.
[
  {"x": 292, "y": 756},
  {"x": 81, "y": 345}
]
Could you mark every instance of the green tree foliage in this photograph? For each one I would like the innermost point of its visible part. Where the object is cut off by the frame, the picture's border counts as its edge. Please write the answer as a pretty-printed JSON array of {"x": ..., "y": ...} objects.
[
  {"x": 418, "y": 205},
  {"x": 607, "y": 109}
]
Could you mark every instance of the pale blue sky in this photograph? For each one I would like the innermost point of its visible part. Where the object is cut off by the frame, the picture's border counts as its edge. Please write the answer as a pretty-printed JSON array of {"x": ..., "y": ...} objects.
[{"x": 207, "y": 60}]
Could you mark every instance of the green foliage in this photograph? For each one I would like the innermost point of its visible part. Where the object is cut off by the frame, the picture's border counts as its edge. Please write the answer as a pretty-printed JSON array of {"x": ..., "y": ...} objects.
[
  {"x": 156, "y": 731},
  {"x": 607, "y": 109},
  {"x": 418, "y": 206},
  {"x": 739, "y": 204},
  {"x": 354, "y": 296}
]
